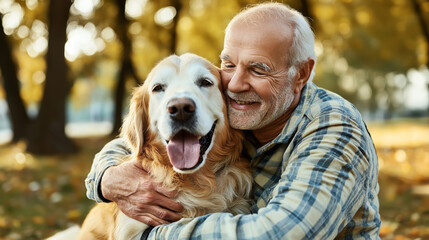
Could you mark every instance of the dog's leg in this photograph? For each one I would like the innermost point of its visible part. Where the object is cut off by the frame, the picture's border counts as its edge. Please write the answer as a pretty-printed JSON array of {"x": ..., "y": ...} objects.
[{"x": 100, "y": 222}]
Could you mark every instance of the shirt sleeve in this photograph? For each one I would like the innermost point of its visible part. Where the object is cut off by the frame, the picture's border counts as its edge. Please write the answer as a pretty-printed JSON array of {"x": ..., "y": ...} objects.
[
  {"x": 322, "y": 186},
  {"x": 112, "y": 154}
]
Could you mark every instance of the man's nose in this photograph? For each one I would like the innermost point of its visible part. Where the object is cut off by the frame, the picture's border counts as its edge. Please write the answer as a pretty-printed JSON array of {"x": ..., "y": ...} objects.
[{"x": 239, "y": 81}]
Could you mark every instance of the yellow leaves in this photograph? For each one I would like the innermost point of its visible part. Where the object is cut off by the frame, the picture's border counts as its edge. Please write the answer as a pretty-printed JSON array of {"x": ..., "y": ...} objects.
[
  {"x": 401, "y": 134},
  {"x": 30, "y": 76},
  {"x": 387, "y": 228},
  {"x": 38, "y": 220},
  {"x": 2, "y": 93},
  {"x": 425, "y": 6},
  {"x": 3, "y": 222},
  {"x": 403, "y": 150},
  {"x": 363, "y": 17},
  {"x": 344, "y": 26},
  {"x": 16, "y": 158},
  {"x": 324, "y": 11},
  {"x": 81, "y": 92},
  {"x": 73, "y": 214}
]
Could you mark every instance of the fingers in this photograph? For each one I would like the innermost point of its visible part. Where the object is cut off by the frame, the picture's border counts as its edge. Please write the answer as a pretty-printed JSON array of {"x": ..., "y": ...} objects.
[
  {"x": 164, "y": 215},
  {"x": 159, "y": 206},
  {"x": 172, "y": 205},
  {"x": 152, "y": 215},
  {"x": 148, "y": 219}
]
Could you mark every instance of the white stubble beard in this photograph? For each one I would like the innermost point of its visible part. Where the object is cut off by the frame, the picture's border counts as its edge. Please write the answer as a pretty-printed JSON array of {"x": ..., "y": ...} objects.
[{"x": 261, "y": 117}]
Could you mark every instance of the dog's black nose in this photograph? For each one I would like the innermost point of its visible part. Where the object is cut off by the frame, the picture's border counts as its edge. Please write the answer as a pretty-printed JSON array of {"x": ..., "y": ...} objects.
[{"x": 181, "y": 109}]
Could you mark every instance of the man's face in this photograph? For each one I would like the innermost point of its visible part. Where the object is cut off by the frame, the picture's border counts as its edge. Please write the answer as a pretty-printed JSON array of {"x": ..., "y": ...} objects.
[{"x": 254, "y": 73}]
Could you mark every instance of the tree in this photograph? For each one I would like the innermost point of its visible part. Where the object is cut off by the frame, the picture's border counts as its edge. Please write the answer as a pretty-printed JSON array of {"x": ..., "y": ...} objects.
[
  {"x": 126, "y": 69},
  {"x": 47, "y": 135},
  {"x": 18, "y": 115},
  {"x": 424, "y": 26},
  {"x": 173, "y": 32}
]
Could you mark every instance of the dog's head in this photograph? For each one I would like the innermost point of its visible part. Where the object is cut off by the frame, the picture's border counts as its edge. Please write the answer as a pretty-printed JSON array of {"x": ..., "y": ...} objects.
[{"x": 181, "y": 104}]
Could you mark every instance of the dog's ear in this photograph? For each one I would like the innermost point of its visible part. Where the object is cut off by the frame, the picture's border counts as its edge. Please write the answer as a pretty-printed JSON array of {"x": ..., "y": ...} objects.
[{"x": 136, "y": 122}]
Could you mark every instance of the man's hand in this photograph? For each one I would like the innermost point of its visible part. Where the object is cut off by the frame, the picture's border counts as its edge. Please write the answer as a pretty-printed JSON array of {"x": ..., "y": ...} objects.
[{"x": 130, "y": 187}]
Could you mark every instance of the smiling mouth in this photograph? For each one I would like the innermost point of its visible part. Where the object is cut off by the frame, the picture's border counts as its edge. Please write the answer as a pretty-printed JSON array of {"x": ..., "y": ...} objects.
[{"x": 186, "y": 150}]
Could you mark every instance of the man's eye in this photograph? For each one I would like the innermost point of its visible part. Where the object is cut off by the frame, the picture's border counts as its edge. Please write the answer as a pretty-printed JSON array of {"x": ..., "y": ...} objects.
[
  {"x": 227, "y": 65},
  {"x": 204, "y": 82},
  {"x": 158, "y": 88},
  {"x": 258, "y": 71}
]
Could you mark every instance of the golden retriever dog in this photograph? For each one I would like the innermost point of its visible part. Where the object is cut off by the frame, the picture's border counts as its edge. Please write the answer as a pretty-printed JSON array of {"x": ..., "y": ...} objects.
[{"x": 177, "y": 127}]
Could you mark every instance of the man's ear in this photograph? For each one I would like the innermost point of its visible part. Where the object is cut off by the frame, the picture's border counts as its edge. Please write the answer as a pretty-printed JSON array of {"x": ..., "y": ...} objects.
[{"x": 304, "y": 73}]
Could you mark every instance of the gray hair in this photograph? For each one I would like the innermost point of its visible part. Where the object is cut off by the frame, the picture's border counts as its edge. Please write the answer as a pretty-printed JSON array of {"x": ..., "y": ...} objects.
[{"x": 302, "y": 47}]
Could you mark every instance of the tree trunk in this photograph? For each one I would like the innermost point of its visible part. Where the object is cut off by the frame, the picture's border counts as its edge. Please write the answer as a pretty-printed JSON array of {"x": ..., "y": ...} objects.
[
  {"x": 425, "y": 30},
  {"x": 305, "y": 10},
  {"x": 424, "y": 26},
  {"x": 178, "y": 6},
  {"x": 47, "y": 136},
  {"x": 127, "y": 67},
  {"x": 18, "y": 114}
]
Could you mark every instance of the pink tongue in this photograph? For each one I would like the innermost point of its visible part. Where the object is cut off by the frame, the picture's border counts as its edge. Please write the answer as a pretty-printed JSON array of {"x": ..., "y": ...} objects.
[{"x": 184, "y": 150}]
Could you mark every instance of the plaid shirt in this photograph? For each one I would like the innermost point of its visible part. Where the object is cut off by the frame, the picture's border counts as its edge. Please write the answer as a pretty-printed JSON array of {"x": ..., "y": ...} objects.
[{"x": 318, "y": 179}]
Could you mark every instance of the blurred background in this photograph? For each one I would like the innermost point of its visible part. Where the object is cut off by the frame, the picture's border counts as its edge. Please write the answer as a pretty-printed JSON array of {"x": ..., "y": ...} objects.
[{"x": 67, "y": 68}]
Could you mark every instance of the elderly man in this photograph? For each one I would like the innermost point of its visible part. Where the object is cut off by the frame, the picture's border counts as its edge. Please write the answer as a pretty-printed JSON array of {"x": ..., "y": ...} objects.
[{"x": 313, "y": 160}]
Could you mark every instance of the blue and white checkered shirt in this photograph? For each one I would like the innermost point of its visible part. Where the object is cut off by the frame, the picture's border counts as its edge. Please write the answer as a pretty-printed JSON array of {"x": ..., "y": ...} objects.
[{"x": 318, "y": 179}]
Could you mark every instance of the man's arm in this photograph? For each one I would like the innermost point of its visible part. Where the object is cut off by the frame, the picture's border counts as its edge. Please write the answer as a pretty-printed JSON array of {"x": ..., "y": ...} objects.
[
  {"x": 324, "y": 184},
  {"x": 112, "y": 154},
  {"x": 128, "y": 185}
]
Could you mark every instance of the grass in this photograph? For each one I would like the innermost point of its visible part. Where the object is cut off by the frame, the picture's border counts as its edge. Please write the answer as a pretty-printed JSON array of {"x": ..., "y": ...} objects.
[{"x": 41, "y": 195}]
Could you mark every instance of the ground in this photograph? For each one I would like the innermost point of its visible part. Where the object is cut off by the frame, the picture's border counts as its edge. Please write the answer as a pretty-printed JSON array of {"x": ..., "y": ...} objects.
[{"x": 41, "y": 195}]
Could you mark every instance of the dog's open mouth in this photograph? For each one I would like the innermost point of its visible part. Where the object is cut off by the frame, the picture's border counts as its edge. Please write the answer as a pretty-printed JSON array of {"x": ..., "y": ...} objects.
[{"x": 186, "y": 151}]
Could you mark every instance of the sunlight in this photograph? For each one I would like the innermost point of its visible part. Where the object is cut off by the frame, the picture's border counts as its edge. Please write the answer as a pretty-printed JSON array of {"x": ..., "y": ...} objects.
[
  {"x": 35, "y": 40},
  {"x": 85, "y": 8},
  {"x": 134, "y": 8},
  {"x": 318, "y": 48},
  {"x": 13, "y": 15},
  {"x": 348, "y": 83},
  {"x": 416, "y": 93},
  {"x": 364, "y": 92},
  {"x": 23, "y": 31},
  {"x": 82, "y": 40},
  {"x": 164, "y": 16},
  {"x": 38, "y": 28},
  {"x": 5, "y": 131},
  {"x": 135, "y": 28},
  {"x": 108, "y": 34},
  {"x": 5, "y": 6},
  {"x": 31, "y": 4},
  {"x": 39, "y": 77},
  {"x": 400, "y": 155},
  {"x": 40, "y": 45}
]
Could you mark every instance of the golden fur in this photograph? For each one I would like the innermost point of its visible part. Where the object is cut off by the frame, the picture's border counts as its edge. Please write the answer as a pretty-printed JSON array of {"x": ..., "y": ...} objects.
[{"x": 223, "y": 183}]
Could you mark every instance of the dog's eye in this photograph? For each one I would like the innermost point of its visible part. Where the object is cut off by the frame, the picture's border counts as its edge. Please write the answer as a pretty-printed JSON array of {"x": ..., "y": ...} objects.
[
  {"x": 204, "y": 82},
  {"x": 158, "y": 88}
]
